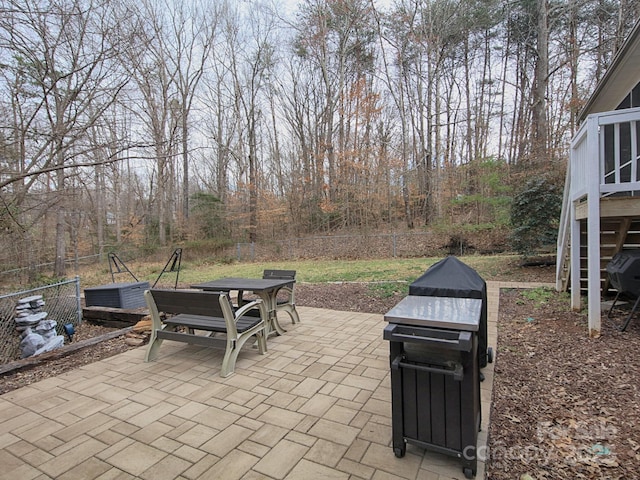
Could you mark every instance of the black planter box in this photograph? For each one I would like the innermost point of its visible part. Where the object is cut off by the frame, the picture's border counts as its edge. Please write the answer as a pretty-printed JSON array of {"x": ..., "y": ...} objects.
[{"x": 117, "y": 295}]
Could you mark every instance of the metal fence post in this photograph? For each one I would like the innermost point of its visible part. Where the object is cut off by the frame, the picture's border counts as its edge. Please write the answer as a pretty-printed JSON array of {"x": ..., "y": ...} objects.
[{"x": 79, "y": 303}]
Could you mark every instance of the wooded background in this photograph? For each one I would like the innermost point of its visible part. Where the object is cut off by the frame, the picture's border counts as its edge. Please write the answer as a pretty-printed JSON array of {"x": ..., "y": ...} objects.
[{"x": 156, "y": 122}]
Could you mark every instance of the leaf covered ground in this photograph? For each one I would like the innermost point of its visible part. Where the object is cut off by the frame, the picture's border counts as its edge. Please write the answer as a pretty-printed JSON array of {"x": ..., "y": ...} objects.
[{"x": 565, "y": 406}]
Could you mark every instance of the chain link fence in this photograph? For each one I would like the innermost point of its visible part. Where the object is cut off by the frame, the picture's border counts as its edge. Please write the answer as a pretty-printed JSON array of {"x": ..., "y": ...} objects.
[
  {"x": 350, "y": 247},
  {"x": 61, "y": 302},
  {"x": 32, "y": 273},
  {"x": 317, "y": 247}
]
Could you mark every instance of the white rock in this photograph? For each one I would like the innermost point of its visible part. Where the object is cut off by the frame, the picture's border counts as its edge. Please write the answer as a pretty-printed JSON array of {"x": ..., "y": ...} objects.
[
  {"x": 32, "y": 319},
  {"x": 52, "y": 344},
  {"x": 31, "y": 343}
]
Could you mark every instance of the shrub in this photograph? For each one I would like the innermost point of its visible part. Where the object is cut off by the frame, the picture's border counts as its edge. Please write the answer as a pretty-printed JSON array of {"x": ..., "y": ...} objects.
[{"x": 535, "y": 215}]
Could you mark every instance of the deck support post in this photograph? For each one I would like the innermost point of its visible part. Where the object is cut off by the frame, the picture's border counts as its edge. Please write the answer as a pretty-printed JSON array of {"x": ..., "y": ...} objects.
[{"x": 593, "y": 226}]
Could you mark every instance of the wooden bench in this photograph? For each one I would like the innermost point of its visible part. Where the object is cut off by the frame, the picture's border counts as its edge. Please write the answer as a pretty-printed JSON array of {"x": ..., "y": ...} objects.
[{"x": 188, "y": 311}]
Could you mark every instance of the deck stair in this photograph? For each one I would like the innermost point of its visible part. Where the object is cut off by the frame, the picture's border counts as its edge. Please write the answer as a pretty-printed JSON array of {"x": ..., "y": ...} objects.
[{"x": 616, "y": 233}]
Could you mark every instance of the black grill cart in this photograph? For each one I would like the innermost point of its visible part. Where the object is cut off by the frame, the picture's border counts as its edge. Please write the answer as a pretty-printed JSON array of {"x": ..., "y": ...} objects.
[{"x": 435, "y": 375}]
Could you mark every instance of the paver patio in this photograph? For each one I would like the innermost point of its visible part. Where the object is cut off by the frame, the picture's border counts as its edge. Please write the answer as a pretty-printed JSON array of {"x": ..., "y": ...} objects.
[{"x": 317, "y": 405}]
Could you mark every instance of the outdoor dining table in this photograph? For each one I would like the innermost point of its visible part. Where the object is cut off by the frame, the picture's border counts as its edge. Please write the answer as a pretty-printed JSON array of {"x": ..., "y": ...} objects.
[{"x": 265, "y": 288}]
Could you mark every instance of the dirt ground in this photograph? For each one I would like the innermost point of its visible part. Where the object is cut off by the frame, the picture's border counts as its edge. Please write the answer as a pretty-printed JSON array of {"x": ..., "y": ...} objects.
[{"x": 564, "y": 406}]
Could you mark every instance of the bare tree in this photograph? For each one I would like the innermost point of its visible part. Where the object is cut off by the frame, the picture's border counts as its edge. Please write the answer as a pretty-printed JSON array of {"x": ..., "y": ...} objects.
[
  {"x": 251, "y": 60},
  {"x": 193, "y": 30},
  {"x": 157, "y": 106},
  {"x": 335, "y": 38},
  {"x": 175, "y": 42},
  {"x": 540, "y": 152},
  {"x": 221, "y": 123},
  {"x": 397, "y": 74},
  {"x": 64, "y": 51}
]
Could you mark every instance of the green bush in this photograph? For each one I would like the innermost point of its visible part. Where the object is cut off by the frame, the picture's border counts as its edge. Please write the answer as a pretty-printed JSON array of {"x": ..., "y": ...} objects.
[
  {"x": 207, "y": 215},
  {"x": 535, "y": 215}
]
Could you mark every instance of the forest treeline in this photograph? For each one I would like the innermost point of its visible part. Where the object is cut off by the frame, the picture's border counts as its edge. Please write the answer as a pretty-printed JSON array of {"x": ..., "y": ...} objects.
[{"x": 158, "y": 122}]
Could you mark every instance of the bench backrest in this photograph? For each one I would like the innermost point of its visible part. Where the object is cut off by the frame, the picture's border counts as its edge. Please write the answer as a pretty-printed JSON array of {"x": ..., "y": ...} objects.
[
  {"x": 192, "y": 302},
  {"x": 279, "y": 274}
]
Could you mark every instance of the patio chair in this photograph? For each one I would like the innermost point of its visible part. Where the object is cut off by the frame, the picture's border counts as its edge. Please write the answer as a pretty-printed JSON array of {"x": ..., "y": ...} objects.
[
  {"x": 287, "y": 301},
  {"x": 286, "y": 296}
]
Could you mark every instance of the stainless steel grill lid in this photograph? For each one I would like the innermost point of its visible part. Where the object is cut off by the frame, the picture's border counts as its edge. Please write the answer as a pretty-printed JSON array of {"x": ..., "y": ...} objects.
[{"x": 439, "y": 312}]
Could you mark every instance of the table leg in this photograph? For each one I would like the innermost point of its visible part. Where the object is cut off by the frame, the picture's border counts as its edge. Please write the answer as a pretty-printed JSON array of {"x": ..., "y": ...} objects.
[{"x": 273, "y": 326}]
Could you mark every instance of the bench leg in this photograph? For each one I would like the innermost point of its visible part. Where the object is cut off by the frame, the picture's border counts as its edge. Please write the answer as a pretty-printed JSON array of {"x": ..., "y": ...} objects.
[
  {"x": 262, "y": 342},
  {"x": 153, "y": 347},
  {"x": 233, "y": 350},
  {"x": 230, "y": 357}
]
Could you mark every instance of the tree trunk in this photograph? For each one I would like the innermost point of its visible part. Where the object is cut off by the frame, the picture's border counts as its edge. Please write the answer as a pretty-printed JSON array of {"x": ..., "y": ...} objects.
[
  {"x": 59, "y": 269},
  {"x": 253, "y": 182},
  {"x": 185, "y": 165},
  {"x": 540, "y": 150},
  {"x": 161, "y": 194},
  {"x": 573, "y": 54},
  {"x": 100, "y": 207}
]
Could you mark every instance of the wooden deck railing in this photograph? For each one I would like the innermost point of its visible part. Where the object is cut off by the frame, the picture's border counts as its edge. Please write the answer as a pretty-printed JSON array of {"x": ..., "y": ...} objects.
[{"x": 604, "y": 162}]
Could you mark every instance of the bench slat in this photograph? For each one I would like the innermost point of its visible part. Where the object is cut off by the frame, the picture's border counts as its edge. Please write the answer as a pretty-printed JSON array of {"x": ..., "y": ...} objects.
[
  {"x": 188, "y": 301},
  {"x": 211, "y": 324},
  {"x": 200, "y": 340},
  {"x": 279, "y": 274}
]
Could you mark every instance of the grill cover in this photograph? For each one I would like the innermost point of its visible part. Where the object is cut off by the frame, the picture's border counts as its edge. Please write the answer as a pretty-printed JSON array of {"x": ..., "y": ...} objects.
[
  {"x": 624, "y": 271},
  {"x": 451, "y": 277}
]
